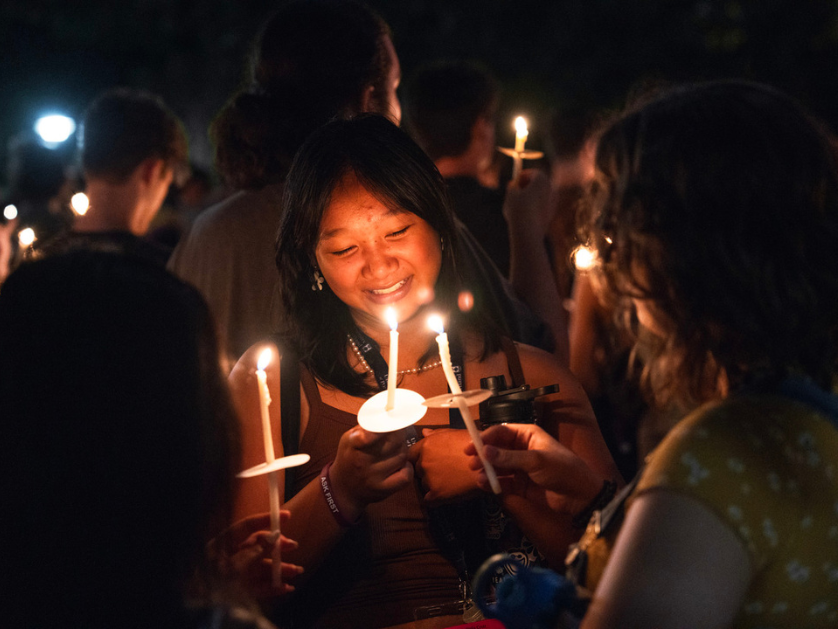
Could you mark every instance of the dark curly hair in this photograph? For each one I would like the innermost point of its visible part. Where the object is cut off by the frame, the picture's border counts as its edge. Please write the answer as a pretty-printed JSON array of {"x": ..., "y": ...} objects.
[
  {"x": 717, "y": 204},
  {"x": 310, "y": 63},
  {"x": 394, "y": 169}
]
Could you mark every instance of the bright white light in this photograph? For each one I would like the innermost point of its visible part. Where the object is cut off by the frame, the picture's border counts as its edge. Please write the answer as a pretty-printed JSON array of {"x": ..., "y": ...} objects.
[
  {"x": 264, "y": 359},
  {"x": 521, "y": 126},
  {"x": 26, "y": 237},
  {"x": 80, "y": 203},
  {"x": 435, "y": 324},
  {"x": 55, "y": 128},
  {"x": 392, "y": 321},
  {"x": 10, "y": 212},
  {"x": 584, "y": 258}
]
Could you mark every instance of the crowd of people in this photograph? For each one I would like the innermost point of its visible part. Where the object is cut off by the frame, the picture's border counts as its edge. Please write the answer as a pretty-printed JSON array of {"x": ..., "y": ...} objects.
[{"x": 679, "y": 472}]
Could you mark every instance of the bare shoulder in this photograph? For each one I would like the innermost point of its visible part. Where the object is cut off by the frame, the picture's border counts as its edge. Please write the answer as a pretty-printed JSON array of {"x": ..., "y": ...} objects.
[{"x": 541, "y": 368}]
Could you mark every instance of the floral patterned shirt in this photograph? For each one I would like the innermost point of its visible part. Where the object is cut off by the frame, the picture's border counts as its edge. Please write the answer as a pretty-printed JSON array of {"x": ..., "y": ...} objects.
[{"x": 766, "y": 466}]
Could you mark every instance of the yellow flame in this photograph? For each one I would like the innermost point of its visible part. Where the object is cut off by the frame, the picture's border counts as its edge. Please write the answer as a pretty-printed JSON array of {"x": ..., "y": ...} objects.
[
  {"x": 80, "y": 203},
  {"x": 435, "y": 324},
  {"x": 264, "y": 359},
  {"x": 26, "y": 237},
  {"x": 521, "y": 127},
  {"x": 392, "y": 321},
  {"x": 584, "y": 258}
]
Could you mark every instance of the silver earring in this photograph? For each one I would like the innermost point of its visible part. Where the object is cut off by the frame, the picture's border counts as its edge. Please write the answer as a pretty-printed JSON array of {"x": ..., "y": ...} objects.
[{"x": 317, "y": 284}]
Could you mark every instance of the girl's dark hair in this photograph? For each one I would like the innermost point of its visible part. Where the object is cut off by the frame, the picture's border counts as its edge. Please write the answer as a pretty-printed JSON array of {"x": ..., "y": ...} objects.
[
  {"x": 119, "y": 440},
  {"x": 717, "y": 203},
  {"x": 310, "y": 63},
  {"x": 395, "y": 170}
]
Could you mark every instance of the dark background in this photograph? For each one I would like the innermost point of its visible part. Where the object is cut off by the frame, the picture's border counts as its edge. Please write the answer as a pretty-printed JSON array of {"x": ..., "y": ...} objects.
[{"x": 57, "y": 54}]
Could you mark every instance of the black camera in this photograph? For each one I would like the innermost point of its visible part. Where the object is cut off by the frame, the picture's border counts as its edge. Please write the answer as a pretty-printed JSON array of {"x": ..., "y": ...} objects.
[{"x": 510, "y": 406}]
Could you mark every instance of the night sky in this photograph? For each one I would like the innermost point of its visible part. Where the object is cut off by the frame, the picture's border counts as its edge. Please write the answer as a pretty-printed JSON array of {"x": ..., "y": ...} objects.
[{"x": 591, "y": 53}]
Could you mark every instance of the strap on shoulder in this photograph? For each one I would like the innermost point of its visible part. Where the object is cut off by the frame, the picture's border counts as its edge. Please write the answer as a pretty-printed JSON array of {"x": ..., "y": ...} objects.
[{"x": 513, "y": 361}]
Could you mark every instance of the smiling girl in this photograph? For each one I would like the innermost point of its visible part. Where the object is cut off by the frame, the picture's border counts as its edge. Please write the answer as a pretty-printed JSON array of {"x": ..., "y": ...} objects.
[{"x": 366, "y": 226}]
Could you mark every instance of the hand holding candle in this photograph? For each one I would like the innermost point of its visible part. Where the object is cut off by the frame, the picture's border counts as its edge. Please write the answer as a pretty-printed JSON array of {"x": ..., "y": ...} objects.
[
  {"x": 519, "y": 153},
  {"x": 435, "y": 323}
]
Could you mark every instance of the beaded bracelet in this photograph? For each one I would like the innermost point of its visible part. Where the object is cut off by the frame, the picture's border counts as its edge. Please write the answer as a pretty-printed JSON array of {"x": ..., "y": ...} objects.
[
  {"x": 581, "y": 519},
  {"x": 326, "y": 486}
]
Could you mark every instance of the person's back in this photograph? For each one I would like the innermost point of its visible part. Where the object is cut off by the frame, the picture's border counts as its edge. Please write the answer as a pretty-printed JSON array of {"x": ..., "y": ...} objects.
[{"x": 119, "y": 445}]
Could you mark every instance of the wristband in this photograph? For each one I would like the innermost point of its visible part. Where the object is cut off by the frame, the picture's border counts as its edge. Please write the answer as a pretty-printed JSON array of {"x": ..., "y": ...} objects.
[
  {"x": 326, "y": 486},
  {"x": 609, "y": 488}
]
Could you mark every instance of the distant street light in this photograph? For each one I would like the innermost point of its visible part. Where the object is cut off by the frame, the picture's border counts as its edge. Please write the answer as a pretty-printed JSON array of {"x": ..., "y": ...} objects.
[{"x": 54, "y": 129}]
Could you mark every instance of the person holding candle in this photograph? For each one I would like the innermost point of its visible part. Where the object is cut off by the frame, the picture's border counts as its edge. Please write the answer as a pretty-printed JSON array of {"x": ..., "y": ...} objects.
[
  {"x": 715, "y": 213},
  {"x": 118, "y": 451},
  {"x": 367, "y": 227}
]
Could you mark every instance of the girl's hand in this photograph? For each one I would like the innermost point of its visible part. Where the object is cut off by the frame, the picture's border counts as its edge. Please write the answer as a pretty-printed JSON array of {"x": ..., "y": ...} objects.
[
  {"x": 530, "y": 463},
  {"x": 439, "y": 462},
  {"x": 249, "y": 552},
  {"x": 368, "y": 468}
]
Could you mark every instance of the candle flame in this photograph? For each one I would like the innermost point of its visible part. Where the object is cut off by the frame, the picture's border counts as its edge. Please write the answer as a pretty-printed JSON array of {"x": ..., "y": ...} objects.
[
  {"x": 521, "y": 126},
  {"x": 80, "y": 203},
  {"x": 264, "y": 359},
  {"x": 392, "y": 321},
  {"x": 435, "y": 324},
  {"x": 26, "y": 236},
  {"x": 584, "y": 258},
  {"x": 10, "y": 212}
]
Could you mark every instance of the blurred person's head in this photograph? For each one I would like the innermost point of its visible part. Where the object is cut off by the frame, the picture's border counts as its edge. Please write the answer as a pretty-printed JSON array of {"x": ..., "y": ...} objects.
[
  {"x": 450, "y": 110},
  {"x": 312, "y": 61},
  {"x": 132, "y": 148},
  {"x": 715, "y": 211},
  {"x": 119, "y": 441},
  {"x": 123, "y": 128},
  {"x": 360, "y": 163}
]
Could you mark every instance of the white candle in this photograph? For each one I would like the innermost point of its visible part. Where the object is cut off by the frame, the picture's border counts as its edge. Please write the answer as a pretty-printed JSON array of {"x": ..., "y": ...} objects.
[
  {"x": 265, "y": 401},
  {"x": 392, "y": 373},
  {"x": 521, "y": 134},
  {"x": 435, "y": 323}
]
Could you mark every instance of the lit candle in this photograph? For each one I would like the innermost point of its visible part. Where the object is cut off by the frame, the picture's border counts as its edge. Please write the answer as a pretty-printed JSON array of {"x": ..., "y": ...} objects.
[
  {"x": 435, "y": 323},
  {"x": 26, "y": 237},
  {"x": 521, "y": 134},
  {"x": 265, "y": 401},
  {"x": 392, "y": 373}
]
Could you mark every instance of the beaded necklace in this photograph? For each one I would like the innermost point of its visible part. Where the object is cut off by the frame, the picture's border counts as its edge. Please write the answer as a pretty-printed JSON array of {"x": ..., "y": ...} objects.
[{"x": 402, "y": 372}]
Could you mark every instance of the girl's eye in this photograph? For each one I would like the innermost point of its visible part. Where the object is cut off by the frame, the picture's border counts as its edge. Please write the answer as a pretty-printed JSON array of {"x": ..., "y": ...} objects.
[
  {"x": 342, "y": 252},
  {"x": 400, "y": 232}
]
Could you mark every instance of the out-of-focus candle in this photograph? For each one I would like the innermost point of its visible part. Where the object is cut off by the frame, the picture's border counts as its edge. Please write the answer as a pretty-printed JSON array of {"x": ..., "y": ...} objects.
[
  {"x": 521, "y": 134},
  {"x": 265, "y": 401},
  {"x": 26, "y": 237},
  {"x": 435, "y": 323},
  {"x": 80, "y": 203},
  {"x": 393, "y": 366},
  {"x": 584, "y": 258}
]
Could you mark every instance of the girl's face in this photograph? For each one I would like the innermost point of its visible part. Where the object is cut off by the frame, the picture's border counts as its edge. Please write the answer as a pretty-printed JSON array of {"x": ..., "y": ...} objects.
[{"x": 373, "y": 257}]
